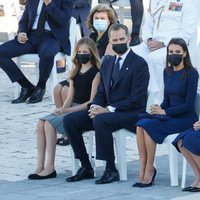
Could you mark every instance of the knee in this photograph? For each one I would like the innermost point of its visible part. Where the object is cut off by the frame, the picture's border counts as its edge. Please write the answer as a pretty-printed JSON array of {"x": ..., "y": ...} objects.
[
  {"x": 57, "y": 89},
  {"x": 98, "y": 121},
  {"x": 40, "y": 126}
]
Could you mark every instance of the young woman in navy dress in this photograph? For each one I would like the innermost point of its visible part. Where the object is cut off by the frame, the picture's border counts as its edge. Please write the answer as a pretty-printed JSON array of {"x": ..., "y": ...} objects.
[
  {"x": 188, "y": 143},
  {"x": 175, "y": 114}
]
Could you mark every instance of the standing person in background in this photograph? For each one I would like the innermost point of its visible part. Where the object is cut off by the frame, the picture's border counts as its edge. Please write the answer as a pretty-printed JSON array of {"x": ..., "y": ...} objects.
[
  {"x": 43, "y": 29},
  {"x": 81, "y": 9},
  {"x": 165, "y": 19},
  {"x": 137, "y": 10}
]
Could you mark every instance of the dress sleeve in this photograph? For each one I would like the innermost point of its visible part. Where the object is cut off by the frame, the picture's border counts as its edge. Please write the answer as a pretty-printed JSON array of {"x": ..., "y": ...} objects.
[{"x": 191, "y": 91}]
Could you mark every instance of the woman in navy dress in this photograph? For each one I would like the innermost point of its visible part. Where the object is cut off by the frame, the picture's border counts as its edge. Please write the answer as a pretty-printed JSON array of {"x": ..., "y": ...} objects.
[
  {"x": 188, "y": 143},
  {"x": 175, "y": 114}
]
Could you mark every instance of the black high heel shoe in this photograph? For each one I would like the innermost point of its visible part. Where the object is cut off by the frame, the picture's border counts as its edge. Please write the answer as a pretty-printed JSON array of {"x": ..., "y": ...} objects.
[{"x": 142, "y": 185}]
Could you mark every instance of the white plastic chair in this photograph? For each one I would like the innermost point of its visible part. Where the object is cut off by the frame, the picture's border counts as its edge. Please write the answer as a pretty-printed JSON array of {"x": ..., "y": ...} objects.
[{"x": 34, "y": 58}]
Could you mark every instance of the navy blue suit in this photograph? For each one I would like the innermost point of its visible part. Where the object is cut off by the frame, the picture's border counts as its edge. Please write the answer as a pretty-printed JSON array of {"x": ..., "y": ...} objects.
[
  {"x": 47, "y": 46},
  {"x": 128, "y": 95}
]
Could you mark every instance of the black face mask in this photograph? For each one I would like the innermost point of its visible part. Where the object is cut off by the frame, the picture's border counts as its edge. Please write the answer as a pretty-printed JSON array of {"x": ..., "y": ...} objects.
[
  {"x": 175, "y": 59},
  {"x": 120, "y": 48},
  {"x": 84, "y": 58}
]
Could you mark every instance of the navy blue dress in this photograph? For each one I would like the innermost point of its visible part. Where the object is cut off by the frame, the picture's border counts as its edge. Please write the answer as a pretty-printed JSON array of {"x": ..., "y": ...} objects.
[
  {"x": 190, "y": 140},
  {"x": 179, "y": 98}
]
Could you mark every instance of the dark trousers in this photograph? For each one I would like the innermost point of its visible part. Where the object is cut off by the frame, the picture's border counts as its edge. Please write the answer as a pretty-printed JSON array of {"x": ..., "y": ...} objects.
[
  {"x": 137, "y": 10},
  {"x": 46, "y": 46},
  {"x": 75, "y": 124}
]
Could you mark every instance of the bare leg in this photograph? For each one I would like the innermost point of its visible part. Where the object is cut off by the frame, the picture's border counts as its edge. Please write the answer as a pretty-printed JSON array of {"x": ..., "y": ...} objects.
[
  {"x": 193, "y": 161},
  {"x": 142, "y": 152},
  {"x": 41, "y": 146},
  {"x": 57, "y": 93},
  {"x": 51, "y": 136},
  {"x": 150, "y": 149},
  {"x": 64, "y": 93}
]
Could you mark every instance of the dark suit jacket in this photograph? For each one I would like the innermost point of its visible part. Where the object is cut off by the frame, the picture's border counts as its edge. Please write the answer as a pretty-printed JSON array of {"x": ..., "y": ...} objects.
[
  {"x": 129, "y": 92},
  {"x": 58, "y": 17}
]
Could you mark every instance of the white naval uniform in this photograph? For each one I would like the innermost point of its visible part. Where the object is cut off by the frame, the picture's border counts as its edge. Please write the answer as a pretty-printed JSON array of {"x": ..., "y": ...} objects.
[{"x": 165, "y": 19}]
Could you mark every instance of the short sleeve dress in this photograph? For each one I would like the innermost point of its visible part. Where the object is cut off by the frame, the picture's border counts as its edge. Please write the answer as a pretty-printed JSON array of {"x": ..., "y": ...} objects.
[
  {"x": 180, "y": 89},
  {"x": 82, "y": 88}
]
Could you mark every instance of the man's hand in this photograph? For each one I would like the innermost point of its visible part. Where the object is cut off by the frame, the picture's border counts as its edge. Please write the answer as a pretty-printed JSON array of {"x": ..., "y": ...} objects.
[
  {"x": 95, "y": 110},
  {"x": 22, "y": 37},
  {"x": 156, "y": 109},
  {"x": 47, "y": 2},
  {"x": 154, "y": 44},
  {"x": 196, "y": 126}
]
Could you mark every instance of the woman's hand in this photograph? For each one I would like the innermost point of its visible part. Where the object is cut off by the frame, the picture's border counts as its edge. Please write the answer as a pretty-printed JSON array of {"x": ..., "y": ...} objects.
[
  {"x": 58, "y": 111},
  {"x": 196, "y": 126},
  {"x": 156, "y": 109}
]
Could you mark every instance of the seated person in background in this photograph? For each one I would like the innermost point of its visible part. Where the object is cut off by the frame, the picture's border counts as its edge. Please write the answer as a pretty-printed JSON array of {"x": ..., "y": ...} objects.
[
  {"x": 99, "y": 20},
  {"x": 40, "y": 34},
  {"x": 187, "y": 143},
  {"x": 101, "y": 17},
  {"x": 121, "y": 96},
  {"x": 175, "y": 114},
  {"x": 84, "y": 79},
  {"x": 161, "y": 24},
  {"x": 137, "y": 10}
]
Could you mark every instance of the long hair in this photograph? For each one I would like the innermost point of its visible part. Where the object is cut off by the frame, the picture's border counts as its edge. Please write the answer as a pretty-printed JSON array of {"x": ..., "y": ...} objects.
[
  {"x": 95, "y": 60},
  {"x": 186, "y": 60},
  {"x": 101, "y": 8}
]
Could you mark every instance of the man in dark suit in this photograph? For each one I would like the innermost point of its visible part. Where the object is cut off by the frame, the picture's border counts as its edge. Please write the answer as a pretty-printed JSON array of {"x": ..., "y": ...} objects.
[
  {"x": 43, "y": 29},
  {"x": 121, "y": 96}
]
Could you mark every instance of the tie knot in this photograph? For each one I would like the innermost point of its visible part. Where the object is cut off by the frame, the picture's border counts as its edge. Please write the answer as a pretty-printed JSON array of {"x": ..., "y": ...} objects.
[{"x": 118, "y": 59}]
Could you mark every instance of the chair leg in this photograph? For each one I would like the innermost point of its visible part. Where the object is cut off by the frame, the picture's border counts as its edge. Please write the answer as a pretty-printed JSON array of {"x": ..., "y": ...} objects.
[
  {"x": 173, "y": 165},
  {"x": 184, "y": 170},
  {"x": 120, "y": 144}
]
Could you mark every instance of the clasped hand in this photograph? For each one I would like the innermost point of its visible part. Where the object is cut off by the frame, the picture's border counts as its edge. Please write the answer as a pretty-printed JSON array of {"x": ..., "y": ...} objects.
[
  {"x": 156, "y": 109},
  {"x": 58, "y": 111},
  {"x": 154, "y": 45},
  {"x": 95, "y": 110},
  {"x": 196, "y": 126}
]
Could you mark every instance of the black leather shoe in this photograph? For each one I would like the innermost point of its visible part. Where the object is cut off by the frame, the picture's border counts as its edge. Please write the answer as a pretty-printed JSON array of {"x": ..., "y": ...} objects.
[
  {"x": 195, "y": 189},
  {"x": 37, "y": 95},
  {"x": 109, "y": 176},
  {"x": 38, "y": 177},
  {"x": 137, "y": 184},
  {"x": 187, "y": 189},
  {"x": 81, "y": 174},
  {"x": 135, "y": 40},
  {"x": 24, "y": 94}
]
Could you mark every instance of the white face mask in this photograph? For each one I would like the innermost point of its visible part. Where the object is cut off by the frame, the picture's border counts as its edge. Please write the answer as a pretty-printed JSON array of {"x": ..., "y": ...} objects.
[{"x": 100, "y": 24}]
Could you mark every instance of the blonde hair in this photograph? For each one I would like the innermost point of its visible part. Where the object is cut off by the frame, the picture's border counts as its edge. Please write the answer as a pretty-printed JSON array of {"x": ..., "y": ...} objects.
[
  {"x": 101, "y": 8},
  {"x": 95, "y": 60}
]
